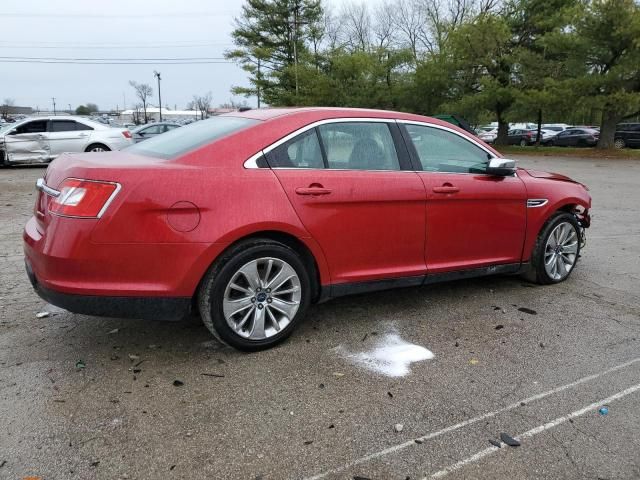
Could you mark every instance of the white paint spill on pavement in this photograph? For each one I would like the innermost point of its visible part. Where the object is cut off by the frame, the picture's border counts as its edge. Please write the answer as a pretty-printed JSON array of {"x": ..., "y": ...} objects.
[{"x": 391, "y": 356}]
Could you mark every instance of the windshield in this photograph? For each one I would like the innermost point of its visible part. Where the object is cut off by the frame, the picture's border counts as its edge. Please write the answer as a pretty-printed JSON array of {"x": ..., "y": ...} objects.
[
  {"x": 181, "y": 140},
  {"x": 5, "y": 128}
]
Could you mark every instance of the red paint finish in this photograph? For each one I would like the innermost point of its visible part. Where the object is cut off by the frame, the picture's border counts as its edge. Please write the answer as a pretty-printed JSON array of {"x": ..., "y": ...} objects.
[
  {"x": 173, "y": 218},
  {"x": 473, "y": 220}
]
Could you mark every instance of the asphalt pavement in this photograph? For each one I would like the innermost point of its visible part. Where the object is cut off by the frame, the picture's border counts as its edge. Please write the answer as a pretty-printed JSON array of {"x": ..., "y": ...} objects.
[{"x": 403, "y": 384}]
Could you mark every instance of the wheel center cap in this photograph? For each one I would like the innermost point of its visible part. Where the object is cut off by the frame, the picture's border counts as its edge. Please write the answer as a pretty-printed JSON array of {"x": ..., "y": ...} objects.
[{"x": 261, "y": 297}]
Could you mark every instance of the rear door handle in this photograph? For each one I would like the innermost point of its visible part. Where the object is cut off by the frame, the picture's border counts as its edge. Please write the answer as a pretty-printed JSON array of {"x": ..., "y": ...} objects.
[
  {"x": 446, "y": 189},
  {"x": 313, "y": 191}
]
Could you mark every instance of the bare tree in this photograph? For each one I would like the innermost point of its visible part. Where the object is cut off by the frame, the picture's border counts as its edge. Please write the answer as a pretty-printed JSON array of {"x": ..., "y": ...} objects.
[
  {"x": 234, "y": 104},
  {"x": 202, "y": 104},
  {"x": 5, "y": 108},
  {"x": 384, "y": 27},
  {"x": 356, "y": 23},
  {"x": 143, "y": 92}
]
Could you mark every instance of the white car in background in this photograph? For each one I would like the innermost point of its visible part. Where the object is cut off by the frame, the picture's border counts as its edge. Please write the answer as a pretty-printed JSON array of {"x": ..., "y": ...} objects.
[{"x": 41, "y": 139}]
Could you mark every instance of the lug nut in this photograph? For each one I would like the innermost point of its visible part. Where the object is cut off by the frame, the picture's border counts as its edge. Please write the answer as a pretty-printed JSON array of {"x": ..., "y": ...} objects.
[
  {"x": 268, "y": 290},
  {"x": 260, "y": 306},
  {"x": 269, "y": 300},
  {"x": 253, "y": 299}
]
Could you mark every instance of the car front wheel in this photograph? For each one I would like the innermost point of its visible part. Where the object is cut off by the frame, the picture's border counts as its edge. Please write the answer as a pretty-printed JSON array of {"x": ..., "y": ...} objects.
[
  {"x": 97, "y": 147},
  {"x": 556, "y": 251},
  {"x": 255, "y": 295}
]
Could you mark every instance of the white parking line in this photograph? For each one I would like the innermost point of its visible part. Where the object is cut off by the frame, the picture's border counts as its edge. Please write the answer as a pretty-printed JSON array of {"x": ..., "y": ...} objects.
[
  {"x": 471, "y": 421},
  {"x": 534, "y": 431}
]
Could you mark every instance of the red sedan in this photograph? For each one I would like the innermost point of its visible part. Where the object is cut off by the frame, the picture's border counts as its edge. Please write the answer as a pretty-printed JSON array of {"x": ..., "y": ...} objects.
[{"x": 250, "y": 217}]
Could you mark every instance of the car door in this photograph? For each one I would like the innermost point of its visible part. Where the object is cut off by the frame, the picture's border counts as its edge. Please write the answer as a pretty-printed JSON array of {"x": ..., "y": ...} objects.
[
  {"x": 356, "y": 195},
  {"x": 564, "y": 138},
  {"x": 473, "y": 219},
  {"x": 28, "y": 142},
  {"x": 67, "y": 136}
]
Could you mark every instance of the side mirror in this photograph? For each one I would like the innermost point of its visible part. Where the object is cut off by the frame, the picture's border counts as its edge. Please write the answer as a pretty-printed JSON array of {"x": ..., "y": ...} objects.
[{"x": 501, "y": 166}]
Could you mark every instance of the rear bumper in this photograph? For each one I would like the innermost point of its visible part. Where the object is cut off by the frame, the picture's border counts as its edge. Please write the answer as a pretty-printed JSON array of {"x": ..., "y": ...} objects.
[{"x": 149, "y": 308}]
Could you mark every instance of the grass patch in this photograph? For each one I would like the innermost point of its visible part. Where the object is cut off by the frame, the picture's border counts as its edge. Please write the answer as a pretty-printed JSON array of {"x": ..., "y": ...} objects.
[{"x": 568, "y": 152}]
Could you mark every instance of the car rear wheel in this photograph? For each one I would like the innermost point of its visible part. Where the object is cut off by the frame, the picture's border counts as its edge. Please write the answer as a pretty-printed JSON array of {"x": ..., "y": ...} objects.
[
  {"x": 556, "y": 251},
  {"x": 255, "y": 295},
  {"x": 97, "y": 147},
  {"x": 619, "y": 143},
  {"x": 550, "y": 143},
  {"x": 523, "y": 143}
]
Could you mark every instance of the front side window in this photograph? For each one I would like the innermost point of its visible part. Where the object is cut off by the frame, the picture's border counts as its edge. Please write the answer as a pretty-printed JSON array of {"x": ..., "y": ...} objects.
[
  {"x": 443, "y": 151},
  {"x": 302, "y": 151},
  {"x": 37, "y": 126},
  {"x": 154, "y": 130},
  {"x": 359, "y": 146}
]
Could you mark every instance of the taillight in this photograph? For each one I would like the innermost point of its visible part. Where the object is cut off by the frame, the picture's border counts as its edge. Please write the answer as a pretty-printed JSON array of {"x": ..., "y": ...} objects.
[
  {"x": 126, "y": 133},
  {"x": 83, "y": 198}
]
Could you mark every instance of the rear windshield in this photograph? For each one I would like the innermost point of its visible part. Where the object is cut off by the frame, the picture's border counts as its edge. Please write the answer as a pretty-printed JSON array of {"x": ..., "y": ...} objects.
[{"x": 181, "y": 140}]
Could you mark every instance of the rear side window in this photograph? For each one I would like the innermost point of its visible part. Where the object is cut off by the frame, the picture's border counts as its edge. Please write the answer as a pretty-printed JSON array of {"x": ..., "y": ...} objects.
[
  {"x": 443, "y": 151},
  {"x": 63, "y": 126},
  {"x": 359, "y": 146},
  {"x": 187, "y": 138}
]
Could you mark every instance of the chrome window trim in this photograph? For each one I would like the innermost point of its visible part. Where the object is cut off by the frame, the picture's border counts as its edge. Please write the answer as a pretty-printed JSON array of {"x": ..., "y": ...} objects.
[
  {"x": 536, "y": 202},
  {"x": 251, "y": 161}
]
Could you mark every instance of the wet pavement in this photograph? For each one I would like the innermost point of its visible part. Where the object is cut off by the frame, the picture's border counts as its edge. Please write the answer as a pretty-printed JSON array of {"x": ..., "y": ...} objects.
[{"x": 84, "y": 397}]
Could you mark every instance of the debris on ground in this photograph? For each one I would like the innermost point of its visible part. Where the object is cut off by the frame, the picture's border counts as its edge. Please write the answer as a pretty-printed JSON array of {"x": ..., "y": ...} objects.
[
  {"x": 308, "y": 442},
  {"x": 390, "y": 394},
  {"x": 217, "y": 375},
  {"x": 115, "y": 330},
  {"x": 499, "y": 327},
  {"x": 512, "y": 442},
  {"x": 358, "y": 477},
  {"x": 527, "y": 310},
  {"x": 321, "y": 386},
  {"x": 95, "y": 463},
  {"x": 133, "y": 358},
  {"x": 80, "y": 365},
  {"x": 178, "y": 383},
  {"x": 42, "y": 314},
  {"x": 338, "y": 374},
  {"x": 541, "y": 344},
  {"x": 419, "y": 441},
  {"x": 3, "y": 463},
  {"x": 474, "y": 361},
  {"x": 495, "y": 443},
  {"x": 115, "y": 357},
  {"x": 398, "y": 427},
  {"x": 603, "y": 410}
]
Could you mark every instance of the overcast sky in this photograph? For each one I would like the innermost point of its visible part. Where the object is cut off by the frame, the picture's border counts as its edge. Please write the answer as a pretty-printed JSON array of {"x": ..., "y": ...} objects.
[{"x": 115, "y": 29}]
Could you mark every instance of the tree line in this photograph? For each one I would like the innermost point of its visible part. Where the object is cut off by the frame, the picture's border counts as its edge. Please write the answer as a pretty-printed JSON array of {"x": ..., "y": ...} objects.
[{"x": 572, "y": 61}]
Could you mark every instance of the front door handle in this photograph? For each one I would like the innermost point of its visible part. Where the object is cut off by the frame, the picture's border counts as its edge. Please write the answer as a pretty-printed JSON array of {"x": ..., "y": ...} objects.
[
  {"x": 319, "y": 190},
  {"x": 446, "y": 188}
]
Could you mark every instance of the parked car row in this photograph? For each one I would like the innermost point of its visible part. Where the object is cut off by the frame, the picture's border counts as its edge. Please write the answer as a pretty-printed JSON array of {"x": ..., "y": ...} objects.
[{"x": 559, "y": 135}]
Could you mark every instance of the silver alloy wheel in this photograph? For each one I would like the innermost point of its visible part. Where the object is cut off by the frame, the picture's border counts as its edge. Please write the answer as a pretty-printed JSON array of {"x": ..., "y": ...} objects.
[
  {"x": 561, "y": 251},
  {"x": 619, "y": 143},
  {"x": 262, "y": 298},
  {"x": 97, "y": 149}
]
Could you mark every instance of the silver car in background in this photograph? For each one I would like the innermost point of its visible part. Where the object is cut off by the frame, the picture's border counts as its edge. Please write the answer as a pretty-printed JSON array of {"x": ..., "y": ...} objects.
[
  {"x": 151, "y": 130},
  {"x": 41, "y": 139}
]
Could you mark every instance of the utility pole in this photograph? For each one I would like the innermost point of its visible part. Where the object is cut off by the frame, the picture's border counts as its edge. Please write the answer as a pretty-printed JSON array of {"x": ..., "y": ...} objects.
[
  {"x": 157, "y": 75},
  {"x": 53, "y": 99},
  {"x": 69, "y": 109},
  {"x": 296, "y": 25}
]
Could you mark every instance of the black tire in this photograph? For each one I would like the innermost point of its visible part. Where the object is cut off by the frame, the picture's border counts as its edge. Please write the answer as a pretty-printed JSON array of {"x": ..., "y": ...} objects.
[
  {"x": 212, "y": 290},
  {"x": 97, "y": 145},
  {"x": 619, "y": 143},
  {"x": 537, "y": 272},
  {"x": 550, "y": 143},
  {"x": 523, "y": 143}
]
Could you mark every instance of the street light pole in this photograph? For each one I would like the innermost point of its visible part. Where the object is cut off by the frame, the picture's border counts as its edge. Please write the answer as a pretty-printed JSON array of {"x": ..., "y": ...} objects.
[
  {"x": 157, "y": 75},
  {"x": 53, "y": 99}
]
